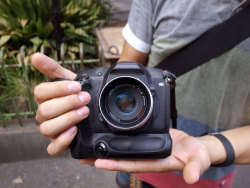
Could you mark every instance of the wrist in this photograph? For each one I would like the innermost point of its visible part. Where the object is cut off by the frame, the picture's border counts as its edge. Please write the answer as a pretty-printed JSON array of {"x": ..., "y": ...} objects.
[{"x": 215, "y": 148}]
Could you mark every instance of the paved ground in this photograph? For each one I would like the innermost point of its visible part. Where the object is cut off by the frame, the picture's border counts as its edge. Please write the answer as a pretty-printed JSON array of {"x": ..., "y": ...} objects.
[{"x": 54, "y": 172}]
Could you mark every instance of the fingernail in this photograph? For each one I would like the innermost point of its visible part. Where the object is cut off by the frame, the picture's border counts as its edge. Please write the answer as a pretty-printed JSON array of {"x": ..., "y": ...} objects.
[
  {"x": 74, "y": 86},
  {"x": 82, "y": 97},
  {"x": 82, "y": 111},
  {"x": 71, "y": 131}
]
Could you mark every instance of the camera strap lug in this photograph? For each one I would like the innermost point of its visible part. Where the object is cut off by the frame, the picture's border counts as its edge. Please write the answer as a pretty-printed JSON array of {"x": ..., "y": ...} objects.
[{"x": 169, "y": 77}]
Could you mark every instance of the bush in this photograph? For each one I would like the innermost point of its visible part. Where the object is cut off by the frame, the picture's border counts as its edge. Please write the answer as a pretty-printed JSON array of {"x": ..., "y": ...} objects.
[
  {"x": 37, "y": 23},
  {"x": 34, "y": 23}
]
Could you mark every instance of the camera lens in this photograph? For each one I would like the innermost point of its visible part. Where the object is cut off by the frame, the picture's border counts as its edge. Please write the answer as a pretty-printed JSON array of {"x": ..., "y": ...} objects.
[{"x": 126, "y": 103}]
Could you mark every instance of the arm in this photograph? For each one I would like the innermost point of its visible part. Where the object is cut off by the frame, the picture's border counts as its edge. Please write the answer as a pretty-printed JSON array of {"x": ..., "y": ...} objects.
[
  {"x": 239, "y": 138},
  {"x": 131, "y": 54}
]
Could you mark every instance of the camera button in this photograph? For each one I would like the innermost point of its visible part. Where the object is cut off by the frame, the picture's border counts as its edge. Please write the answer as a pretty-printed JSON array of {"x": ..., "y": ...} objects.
[{"x": 101, "y": 150}]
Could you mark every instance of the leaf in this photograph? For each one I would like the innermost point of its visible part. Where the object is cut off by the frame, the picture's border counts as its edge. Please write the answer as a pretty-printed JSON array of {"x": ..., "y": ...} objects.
[
  {"x": 73, "y": 49},
  {"x": 4, "y": 39},
  {"x": 23, "y": 22},
  {"x": 46, "y": 44},
  {"x": 29, "y": 28},
  {"x": 26, "y": 60},
  {"x": 39, "y": 27},
  {"x": 13, "y": 53},
  {"x": 72, "y": 55},
  {"x": 36, "y": 43},
  {"x": 81, "y": 32},
  {"x": 73, "y": 11},
  {"x": 16, "y": 33},
  {"x": 36, "y": 40},
  {"x": 83, "y": 11},
  {"x": 14, "y": 38},
  {"x": 48, "y": 29}
]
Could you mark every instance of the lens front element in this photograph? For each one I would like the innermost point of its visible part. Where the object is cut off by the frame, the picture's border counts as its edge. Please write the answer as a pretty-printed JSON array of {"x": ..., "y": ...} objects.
[{"x": 126, "y": 103}]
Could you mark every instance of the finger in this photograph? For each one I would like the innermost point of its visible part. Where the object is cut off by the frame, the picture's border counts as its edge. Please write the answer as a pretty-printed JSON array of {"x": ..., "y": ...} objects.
[
  {"x": 191, "y": 172},
  {"x": 55, "y": 107},
  {"x": 50, "y": 67},
  {"x": 156, "y": 165},
  {"x": 49, "y": 90},
  {"x": 62, "y": 142},
  {"x": 87, "y": 161},
  {"x": 57, "y": 125},
  {"x": 195, "y": 167}
]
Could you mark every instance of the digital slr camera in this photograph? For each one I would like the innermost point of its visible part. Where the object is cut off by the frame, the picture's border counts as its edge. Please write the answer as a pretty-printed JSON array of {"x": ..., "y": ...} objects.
[{"x": 130, "y": 112}]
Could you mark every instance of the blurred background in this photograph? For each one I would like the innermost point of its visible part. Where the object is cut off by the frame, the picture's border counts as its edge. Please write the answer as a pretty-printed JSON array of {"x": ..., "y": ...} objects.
[{"x": 79, "y": 35}]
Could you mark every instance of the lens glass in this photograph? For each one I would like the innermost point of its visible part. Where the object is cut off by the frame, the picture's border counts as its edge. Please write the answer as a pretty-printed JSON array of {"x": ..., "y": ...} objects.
[{"x": 126, "y": 102}]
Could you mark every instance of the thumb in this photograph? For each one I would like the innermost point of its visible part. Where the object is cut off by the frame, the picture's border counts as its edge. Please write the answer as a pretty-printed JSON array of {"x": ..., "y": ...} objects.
[
  {"x": 192, "y": 172},
  {"x": 50, "y": 67},
  {"x": 198, "y": 164}
]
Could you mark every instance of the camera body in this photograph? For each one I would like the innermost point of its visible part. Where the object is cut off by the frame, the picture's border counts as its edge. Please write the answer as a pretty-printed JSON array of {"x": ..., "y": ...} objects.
[{"x": 130, "y": 113}]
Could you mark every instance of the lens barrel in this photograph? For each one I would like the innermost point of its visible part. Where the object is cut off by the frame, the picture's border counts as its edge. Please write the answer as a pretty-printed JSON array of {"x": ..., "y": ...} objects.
[{"x": 126, "y": 103}]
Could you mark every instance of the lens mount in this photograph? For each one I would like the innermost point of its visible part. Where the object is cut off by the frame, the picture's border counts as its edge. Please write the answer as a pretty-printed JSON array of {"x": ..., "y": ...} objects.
[{"x": 126, "y": 103}]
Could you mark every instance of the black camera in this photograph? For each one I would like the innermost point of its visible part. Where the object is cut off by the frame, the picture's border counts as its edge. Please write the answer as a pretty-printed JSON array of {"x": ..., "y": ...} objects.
[{"x": 130, "y": 113}]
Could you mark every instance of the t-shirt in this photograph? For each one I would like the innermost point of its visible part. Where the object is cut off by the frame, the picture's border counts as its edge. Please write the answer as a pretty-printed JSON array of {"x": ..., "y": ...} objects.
[{"x": 212, "y": 97}]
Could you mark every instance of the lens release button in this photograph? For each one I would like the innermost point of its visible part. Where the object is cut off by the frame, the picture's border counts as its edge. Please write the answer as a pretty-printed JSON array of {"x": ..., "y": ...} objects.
[{"x": 101, "y": 150}]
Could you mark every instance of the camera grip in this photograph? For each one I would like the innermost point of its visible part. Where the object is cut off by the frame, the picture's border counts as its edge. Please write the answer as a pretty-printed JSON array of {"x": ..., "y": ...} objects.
[
  {"x": 143, "y": 146},
  {"x": 140, "y": 146}
]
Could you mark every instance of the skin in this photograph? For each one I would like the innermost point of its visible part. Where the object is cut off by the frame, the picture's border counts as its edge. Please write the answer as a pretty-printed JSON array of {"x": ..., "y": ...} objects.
[{"x": 61, "y": 108}]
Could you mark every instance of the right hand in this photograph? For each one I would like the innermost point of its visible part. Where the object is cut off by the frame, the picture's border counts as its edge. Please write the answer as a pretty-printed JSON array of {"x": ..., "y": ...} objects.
[{"x": 60, "y": 104}]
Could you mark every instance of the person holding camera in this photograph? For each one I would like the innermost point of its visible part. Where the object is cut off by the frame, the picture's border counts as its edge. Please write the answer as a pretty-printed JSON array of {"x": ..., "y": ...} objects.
[{"x": 212, "y": 98}]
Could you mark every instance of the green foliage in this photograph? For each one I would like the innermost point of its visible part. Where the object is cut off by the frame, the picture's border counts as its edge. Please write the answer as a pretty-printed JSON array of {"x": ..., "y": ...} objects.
[
  {"x": 30, "y": 23},
  {"x": 78, "y": 22},
  {"x": 21, "y": 21}
]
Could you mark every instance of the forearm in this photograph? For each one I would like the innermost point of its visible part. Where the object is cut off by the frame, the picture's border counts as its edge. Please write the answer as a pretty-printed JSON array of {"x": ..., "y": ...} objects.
[
  {"x": 240, "y": 140},
  {"x": 131, "y": 54}
]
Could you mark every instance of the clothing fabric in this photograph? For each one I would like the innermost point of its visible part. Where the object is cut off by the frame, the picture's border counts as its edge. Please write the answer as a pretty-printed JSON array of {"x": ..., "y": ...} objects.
[{"x": 212, "y": 97}]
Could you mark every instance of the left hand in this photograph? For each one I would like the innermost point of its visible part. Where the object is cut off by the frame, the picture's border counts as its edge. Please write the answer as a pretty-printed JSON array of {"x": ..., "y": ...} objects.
[{"x": 189, "y": 154}]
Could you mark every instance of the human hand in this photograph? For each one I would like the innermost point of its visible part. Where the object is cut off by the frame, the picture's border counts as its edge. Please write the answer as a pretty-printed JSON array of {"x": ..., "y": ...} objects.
[
  {"x": 189, "y": 155},
  {"x": 60, "y": 104}
]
